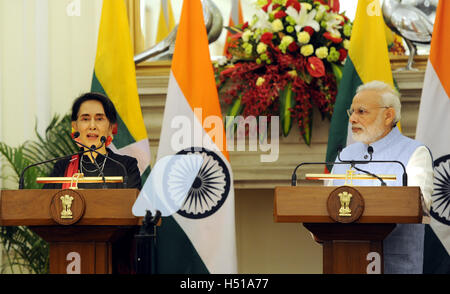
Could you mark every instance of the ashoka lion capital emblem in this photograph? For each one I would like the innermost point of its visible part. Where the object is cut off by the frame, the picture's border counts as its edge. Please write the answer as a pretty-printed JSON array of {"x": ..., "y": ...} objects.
[
  {"x": 66, "y": 201},
  {"x": 345, "y": 199}
]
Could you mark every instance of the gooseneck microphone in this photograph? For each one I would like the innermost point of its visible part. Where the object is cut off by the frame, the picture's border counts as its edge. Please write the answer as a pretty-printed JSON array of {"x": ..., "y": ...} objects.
[
  {"x": 353, "y": 164},
  {"x": 370, "y": 151},
  {"x": 103, "y": 140},
  {"x": 22, "y": 175}
]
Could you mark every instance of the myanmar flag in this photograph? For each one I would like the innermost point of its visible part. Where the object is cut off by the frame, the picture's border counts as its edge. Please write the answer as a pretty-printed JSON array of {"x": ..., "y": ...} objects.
[
  {"x": 433, "y": 129},
  {"x": 200, "y": 237},
  {"x": 367, "y": 60},
  {"x": 115, "y": 76}
]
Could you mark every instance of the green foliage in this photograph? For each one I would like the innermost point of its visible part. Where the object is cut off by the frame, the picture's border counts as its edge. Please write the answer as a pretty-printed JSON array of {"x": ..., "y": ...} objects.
[{"x": 25, "y": 251}]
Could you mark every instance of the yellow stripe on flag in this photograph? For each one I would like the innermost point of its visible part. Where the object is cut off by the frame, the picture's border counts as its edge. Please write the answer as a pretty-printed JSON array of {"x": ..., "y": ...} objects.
[
  {"x": 369, "y": 19},
  {"x": 192, "y": 67},
  {"x": 163, "y": 31},
  {"x": 440, "y": 45},
  {"x": 171, "y": 23},
  {"x": 114, "y": 66}
]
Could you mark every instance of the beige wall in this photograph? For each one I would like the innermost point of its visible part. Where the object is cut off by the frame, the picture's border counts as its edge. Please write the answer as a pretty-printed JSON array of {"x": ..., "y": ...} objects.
[
  {"x": 46, "y": 60},
  {"x": 265, "y": 247}
]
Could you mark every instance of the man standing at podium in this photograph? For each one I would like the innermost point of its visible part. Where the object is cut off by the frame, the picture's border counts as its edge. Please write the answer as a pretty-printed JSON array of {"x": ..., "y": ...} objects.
[{"x": 374, "y": 114}]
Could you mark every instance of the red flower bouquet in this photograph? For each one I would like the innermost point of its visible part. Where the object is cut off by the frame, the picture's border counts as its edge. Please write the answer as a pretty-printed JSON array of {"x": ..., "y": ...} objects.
[{"x": 286, "y": 61}]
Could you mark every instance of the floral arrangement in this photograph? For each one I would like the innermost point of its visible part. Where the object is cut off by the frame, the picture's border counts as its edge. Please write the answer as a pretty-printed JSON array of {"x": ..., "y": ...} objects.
[{"x": 287, "y": 60}]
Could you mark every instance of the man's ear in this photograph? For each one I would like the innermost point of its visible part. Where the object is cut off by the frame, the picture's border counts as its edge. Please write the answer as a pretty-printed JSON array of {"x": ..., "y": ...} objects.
[{"x": 389, "y": 116}]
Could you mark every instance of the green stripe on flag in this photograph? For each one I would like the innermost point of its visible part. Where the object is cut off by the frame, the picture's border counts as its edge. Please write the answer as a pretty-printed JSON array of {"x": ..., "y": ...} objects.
[
  {"x": 339, "y": 121},
  {"x": 175, "y": 252}
]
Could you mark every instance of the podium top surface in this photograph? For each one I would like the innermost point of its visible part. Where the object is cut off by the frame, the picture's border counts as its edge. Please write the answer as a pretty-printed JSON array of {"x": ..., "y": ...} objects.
[
  {"x": 103, "y": 207},
  {"x": 308, "y": 204}
]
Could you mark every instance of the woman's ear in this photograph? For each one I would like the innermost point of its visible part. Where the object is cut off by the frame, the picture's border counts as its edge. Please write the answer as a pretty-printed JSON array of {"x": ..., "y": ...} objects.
[
  {"x": 74, "y": 126},
  {"x": 110, "y": 129}
]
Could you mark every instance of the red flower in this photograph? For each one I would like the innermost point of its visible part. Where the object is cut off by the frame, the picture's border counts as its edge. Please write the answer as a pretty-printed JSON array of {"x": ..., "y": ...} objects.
[
  {"x": 295, "y": 4},
  {"x": 315, "y": 67},
  {"x": 293, "y": 47},
  {"x": 309, "y": 30},
  {"x": 330, "y": 37},
  {"x": 265, "y": 7},
  {"x": 245, "y": 25},
  {"x": 342, "y": 54},
  {"x": 266, "y": 38},
  {"x": 333, "y": 4},
  {"x": 280, "y": 14}
]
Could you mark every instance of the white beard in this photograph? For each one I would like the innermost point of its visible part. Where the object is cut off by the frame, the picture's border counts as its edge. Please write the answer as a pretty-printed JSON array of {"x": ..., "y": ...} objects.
[{"x": 370, "y": 133}]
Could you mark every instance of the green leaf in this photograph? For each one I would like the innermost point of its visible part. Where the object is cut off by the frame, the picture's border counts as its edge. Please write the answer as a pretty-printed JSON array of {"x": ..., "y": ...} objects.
[
  {"x": 307, "y": 128},
  {"x": 234, "y": 110},
  {"x": 287, "y": 102},
  {"x": 337, "y": 71},
  {"x": 25, "y": 251}
]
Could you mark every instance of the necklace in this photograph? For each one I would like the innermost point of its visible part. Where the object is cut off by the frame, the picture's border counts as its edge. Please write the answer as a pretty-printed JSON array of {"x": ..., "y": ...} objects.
[{"x": 82, "y": 167}]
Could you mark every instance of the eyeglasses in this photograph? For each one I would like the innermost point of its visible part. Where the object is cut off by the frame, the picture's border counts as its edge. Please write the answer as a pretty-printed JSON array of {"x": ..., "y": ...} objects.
[{"x": 362, "y": 111}]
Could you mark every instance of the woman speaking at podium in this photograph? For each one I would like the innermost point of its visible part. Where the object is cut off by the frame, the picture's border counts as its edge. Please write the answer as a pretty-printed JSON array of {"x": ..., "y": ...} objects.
[{"x": 94, "y": 121}]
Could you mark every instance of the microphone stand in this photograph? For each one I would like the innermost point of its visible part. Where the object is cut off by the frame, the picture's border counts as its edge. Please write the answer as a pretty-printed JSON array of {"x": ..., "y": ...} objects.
[
  {"x": 353, "y": 164},
  {"x": 125, "y": 177},
  {"x": 370, "y": 151},
  {"x": 146, "y": 244},
  {"x": 93, "y": 148},
  {"x": 22, "y": 178}
]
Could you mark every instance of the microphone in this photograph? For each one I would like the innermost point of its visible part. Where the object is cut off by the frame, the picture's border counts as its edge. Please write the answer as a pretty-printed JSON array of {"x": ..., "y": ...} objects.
[
  {"x": 22, "y": 175},
  {"x": 294, "y": 174},
  {"x": 94, "y": 149},
  {"x": 370, "y": 151}
]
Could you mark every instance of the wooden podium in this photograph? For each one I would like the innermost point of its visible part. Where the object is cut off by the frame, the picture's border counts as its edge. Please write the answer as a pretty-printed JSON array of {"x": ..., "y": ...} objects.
[
  {"x": 81, "y": 226},
  {"x": 353, "y": 242}
]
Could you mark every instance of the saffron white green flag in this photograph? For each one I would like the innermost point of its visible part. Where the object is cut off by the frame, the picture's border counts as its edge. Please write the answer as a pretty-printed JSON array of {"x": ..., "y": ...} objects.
[
  {"x": 200, "y": 237},
  {"x": 433, "y": 129}
]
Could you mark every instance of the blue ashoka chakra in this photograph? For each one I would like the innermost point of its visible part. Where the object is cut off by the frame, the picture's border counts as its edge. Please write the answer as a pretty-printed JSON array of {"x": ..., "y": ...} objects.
[
  {"x": 440, "y": 208},
  {"x": 210, "y": 188}
]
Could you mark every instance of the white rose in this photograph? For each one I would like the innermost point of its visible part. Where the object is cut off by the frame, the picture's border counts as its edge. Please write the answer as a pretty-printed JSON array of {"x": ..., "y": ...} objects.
[
  {"x": 322, "y": 52},
  {"x": 277, "y": 25},
  {"x": 346, "y": 44},
  {"x": 303, "y": 37},
  {"x": 246, "y": 35},
  {"x": 307, "y": 50},
  {"x": 261, "y": 48}
]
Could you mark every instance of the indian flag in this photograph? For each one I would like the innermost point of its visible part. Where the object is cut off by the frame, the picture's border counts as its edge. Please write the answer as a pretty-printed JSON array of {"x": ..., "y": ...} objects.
[
  {"x": 367, "y": 60},
  {"x": 115, "y": 76},
  {"x": 433, "y": 129},
  {"x": 200, "y": 237}
]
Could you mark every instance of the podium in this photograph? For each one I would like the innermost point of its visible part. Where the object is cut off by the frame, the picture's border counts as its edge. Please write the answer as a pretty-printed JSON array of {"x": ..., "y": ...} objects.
[
  {"x": 352, "y": 241},
  {"x": 82, "y": 227}
]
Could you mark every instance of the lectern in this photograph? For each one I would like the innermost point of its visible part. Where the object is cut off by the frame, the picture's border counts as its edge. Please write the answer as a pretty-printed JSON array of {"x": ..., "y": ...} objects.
[
  {"x": 350, "y": 221},
  {"x": 80, "y": 226}
]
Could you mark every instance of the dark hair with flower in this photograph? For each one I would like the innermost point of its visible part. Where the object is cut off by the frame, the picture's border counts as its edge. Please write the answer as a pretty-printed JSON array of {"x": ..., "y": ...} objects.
[{"x": 287, "y": 60}]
